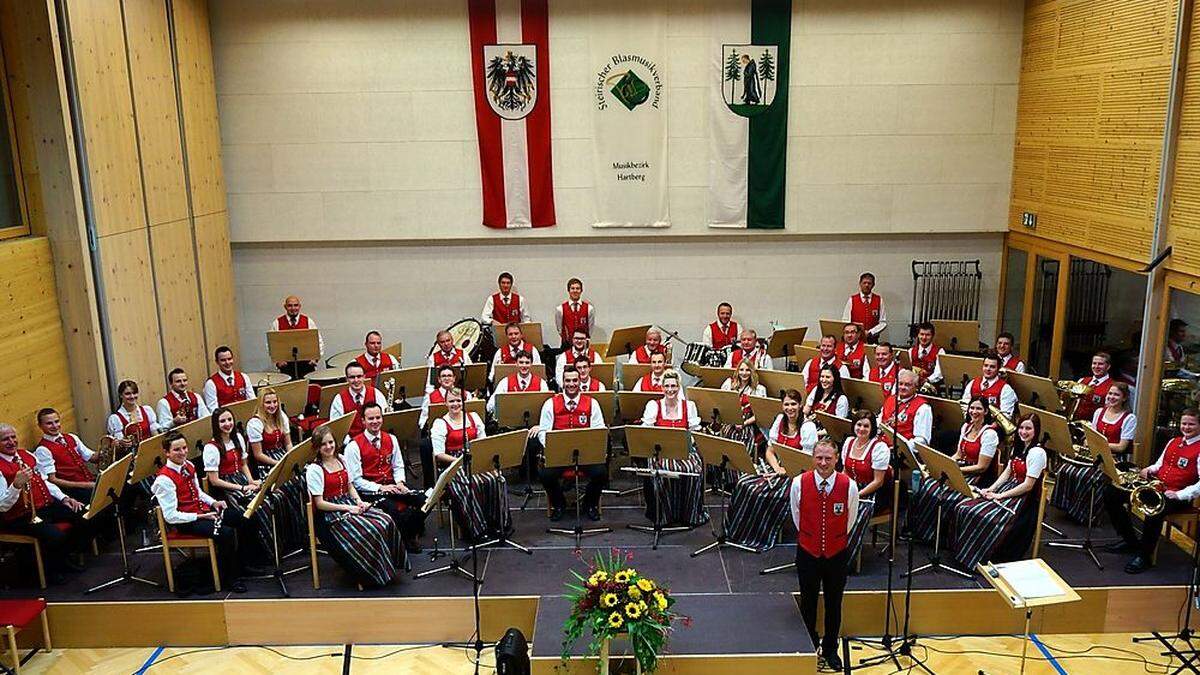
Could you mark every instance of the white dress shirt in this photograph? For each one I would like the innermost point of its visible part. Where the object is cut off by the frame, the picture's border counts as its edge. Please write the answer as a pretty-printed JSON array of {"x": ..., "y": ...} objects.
[
  {"x": 825, "y": 485},
  {"x": 546, "y": 419},
  {"x": 560, "y": 363},
  {"x": 1008, "y": 395},
  {"x": 488, "y": 305},
  {"x": 352, "y": 458},
  {"x": 879, "y": 327},
  {"x": 45, "y": 460},
  {"x": 337, "y": 409},
  {"x": 650, "y": 414},
  {"x": 707, "y": 337},
  {"x": 164, "y": 492},
  {"x": 558, "y": 317},
  {"x": 441, "y": 429},
  {"x": 166, "y": 419},
  {"x": 210, "y": 389},
  {"x": 9, "y": 494},
  {"x": 502, "y": 388}
]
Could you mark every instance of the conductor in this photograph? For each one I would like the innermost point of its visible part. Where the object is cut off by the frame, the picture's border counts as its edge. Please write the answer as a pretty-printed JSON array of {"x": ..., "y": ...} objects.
[{"x": 570, "y": 409}]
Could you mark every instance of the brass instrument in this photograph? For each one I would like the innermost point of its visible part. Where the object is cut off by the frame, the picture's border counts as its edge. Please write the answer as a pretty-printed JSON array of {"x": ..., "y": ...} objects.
[
  {"x": 132, "y": 437},
  {"x": 1083, "y": 455},
  {"x": 106, "y": 454},
  {"x": 927, "y": 388},
  {"x": 1146, "y": 497},
  {"x": 389, "y": 391},
  {"x": 1070, "y": 393},
  {"x": 1004, "y": 422},
  {"x": 27, "y": 493}
]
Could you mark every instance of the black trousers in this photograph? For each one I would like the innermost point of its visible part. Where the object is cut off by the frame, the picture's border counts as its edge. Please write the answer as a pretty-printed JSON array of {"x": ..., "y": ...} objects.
[
  {"x": 297, "y": 369},
  {"x": 404, "y": 510},
  {"x": 232, "y": 523},
  {"x": 55, "y": 543},
  {"x": 1116, "y": 503},
  {"x": 597, "y": 480},
  {"x": 427, "y": 471},
  {"x": 815, "y": 573}
]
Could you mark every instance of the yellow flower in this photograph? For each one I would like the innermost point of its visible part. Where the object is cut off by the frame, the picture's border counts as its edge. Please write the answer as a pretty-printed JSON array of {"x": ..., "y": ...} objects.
[
  {"x": 634, "y": 593},
  {"x": 642, "y": 606},
  {"x": 645, "y": 585},
  {"x": 609, "y": 600},
  {"x": 632, "y": 611},
  {"x": 615, "y": 620},
  {"x": 660, "y": 600},
  {"x": 623, "y": 576},
  {"x": 599, "y": 577}
]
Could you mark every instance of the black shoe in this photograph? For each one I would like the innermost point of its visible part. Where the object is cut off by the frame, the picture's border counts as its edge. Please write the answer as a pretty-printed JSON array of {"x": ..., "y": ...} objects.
[
  {"x": 832, "y": 660},
  {"x": 556, "y": 515},
  {"x": 412, "y": 546},
  {"x": 1137, "y": 565},
  {"x": 259, "y": 570},
  {"x": 1121, "y": 546},
  {"x": 593, "y": 514},
  {"x": 72, "y": 564},
  {"x": 238, "y": 586}
]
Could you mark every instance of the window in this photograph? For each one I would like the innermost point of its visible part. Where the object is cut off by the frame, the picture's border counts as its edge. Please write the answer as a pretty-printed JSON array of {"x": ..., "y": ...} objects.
[{"x": 13, "y": 215}]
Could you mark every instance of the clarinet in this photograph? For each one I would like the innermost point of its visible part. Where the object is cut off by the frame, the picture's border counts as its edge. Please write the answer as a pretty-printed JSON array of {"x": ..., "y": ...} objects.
[{"x": 217, "y": 523}]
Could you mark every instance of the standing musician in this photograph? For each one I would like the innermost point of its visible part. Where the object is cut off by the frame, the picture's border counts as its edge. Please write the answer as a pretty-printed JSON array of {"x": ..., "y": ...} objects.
[
  {"x": 866, "y": 308},
  {"x": 375, "y": 361},
  {"x": 759, "y": 503},
  {"x": 992, "y": 387},
  {"x": 446, "y": 354},
  {"x": 1000, "y": 523},
  {"x": 1008, "y": 358},
  {"x": 269, "y": 434},
  {"x": 228, "y": 471},
  {"x": 570, "y": 409},
  {"x": 189, "y": 510},
  {"x": 1100, "y": 381},
  {"x": 867, "y": 459},
  {"x": 653, "y": 380},
  {"x": 1075, "y": 484},
  {"x": 827, "y": 348},
  {"x": 1176, "y": 335},
  {"x": 292, "y": 319},
  {"x": 179, "y": 405},
  {"x": 131, "y": 415},
  {"x": 723, "y": 332},
  {"x": 907, "y": 413},
  {"x": 978, "y": 442},
  {"x": 63, "y": 458},
  {"x": 583, "y": 366},
  {"x": 827, "y": 397},
  {"x": 480, "y": 502},
  {"x": 654, "y": 345},
  {"x": 515, "y": 345},
  {"x": 683, "y": 495},
  {"x": 25, "y": 490},
  {"x": 522, "y": 380},
  {"x": 363, "y": 540},
  {"x": 748, "y": 350},
  {"x": 376, "y": 468},
  {"x": 354, "y": 397},
  {"x": 227, "y": 385},
  {"x": 924, "y": 355},
  {"x": 505, "y": 306},
  {"x": 852, "y": 351},
  {"x": 574, "y": 314},
  {"x": 581, "y": 345},
  {"x": 885, "y": 369},
  {"x": 824, "y": 505}
]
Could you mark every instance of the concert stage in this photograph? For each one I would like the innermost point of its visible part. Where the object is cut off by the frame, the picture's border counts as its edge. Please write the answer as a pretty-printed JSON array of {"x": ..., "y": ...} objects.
[{"x": 740, "y": 617}]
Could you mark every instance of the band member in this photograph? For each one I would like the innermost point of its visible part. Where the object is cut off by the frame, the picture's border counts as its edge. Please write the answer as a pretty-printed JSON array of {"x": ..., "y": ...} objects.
[
  {"x": 1176, "y": 335},
  {"x": 885, "y": 369},
  {"x": 132, "y": 422},
  {"x": 227, "y": 385},
  {"x": 1008, "y": 358},
  {"x": 292, "y": 319},
  {"x": 354, "y": 397},
  {"x": 999, "y": 524},
  {"x": 852, "y": 351},
  {"x": 363, "y": 540},
  {"x": 906, "y": 412},
  {"x": 515, "y": 345},
  {"x": 748, "y": 349},
  {"x": 758, "y": 504},
  {"x": 824, "y": 505},
  {"x": 653, "y": 380},
  {"x": 683, "y": 496},
  {"x": 574, "y": 314},
  {"x": 827, "y": 356},
  {"x": 924, "y": 355},
  {"x": 866, "y": 308},
  {"x": 1176, "y": 468},
  {"x": 745, "y": 383},
  {"x": 480, "y": 502},
  {"x": 867, "y": 459},
  {"x": 978, "y": 442},
  {"x": 520, "y": 381},
  {"x": 826, "y": 397},
  {"x": 25, "y": 490},
  {"x": 1075, "y": 485},
  {"x": 376, "y": 468},
  {"x": 375, "y": 361},
  {"x": 723, "y": 332},
  {"x": 189, "y": 510},
  {"x": 505, "y": 306},
  {"x": 570, "y": 409},
  {"x": 446, "y": 354},
  {"x": 447, "y": 379},
  {"x": 581, "y": 345},
  {"x": 179, "y": 405},
  {"x": 270, "y": 438},
  {"x": 63, "y": 458},
  {"x": 228, "y": 471},
  {"x": 992, "y": 387},
  {"x": 654, "y": 345},
  {"x": 1100, "y": 381},
  {"x": 583, "y": 366}
]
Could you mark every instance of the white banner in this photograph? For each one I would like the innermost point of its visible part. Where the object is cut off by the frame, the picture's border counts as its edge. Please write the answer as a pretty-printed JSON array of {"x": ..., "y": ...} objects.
[{"x": 629, "y": 114}]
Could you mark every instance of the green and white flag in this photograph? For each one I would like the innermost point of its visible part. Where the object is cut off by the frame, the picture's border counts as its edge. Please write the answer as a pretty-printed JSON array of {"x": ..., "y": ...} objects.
[{"x": 748, "y": 104}]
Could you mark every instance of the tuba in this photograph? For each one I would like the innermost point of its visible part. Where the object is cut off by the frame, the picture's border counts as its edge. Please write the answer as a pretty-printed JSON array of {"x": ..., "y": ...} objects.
[
  {"x": 1070, "y": 393},
  {"x": 1146, "y": 497}
]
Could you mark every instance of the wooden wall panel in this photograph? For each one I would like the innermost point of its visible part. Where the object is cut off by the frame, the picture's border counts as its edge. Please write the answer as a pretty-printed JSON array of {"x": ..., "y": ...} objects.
[
  {"x": 216, "y": 280},
  {"x": 128, "y": 294},
  {"x": 174, "y": 257},
  {"x": 199, "y": 102},
  {"x": 1183, "y": 229}
]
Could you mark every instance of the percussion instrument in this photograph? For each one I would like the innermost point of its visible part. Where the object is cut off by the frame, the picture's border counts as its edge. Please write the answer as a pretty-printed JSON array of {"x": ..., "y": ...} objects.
[
  {"x": 270, "y": 379},
  {"x": 326, "y": 376},
  {"x": 475, "y": 342},
  {"x": 341, "y": 359},
  {"x": 704, "y": 355}
]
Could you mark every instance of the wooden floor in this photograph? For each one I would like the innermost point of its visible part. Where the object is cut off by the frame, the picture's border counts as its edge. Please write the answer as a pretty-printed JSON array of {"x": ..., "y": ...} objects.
[{"x": 1112, "y": 654}]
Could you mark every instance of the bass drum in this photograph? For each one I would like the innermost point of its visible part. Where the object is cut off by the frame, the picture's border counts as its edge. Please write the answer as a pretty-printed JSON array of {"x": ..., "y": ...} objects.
[{"x": 475, "y": 341}]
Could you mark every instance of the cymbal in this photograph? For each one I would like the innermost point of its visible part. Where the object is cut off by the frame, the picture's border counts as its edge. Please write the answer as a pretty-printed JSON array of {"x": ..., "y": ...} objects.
[
  {"x": 268, "y": 379},
  {"x": 340, "y": 359}
]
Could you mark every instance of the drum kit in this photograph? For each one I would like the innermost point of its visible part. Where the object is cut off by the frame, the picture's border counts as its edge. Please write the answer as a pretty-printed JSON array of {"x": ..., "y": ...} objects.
[{"x": 702, "y": 354}]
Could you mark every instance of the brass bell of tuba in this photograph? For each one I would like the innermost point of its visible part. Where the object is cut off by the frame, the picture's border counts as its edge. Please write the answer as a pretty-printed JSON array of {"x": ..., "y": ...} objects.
[
  {"x": 1070, "y": 393},
  {"x": 1146, "y": 498}
]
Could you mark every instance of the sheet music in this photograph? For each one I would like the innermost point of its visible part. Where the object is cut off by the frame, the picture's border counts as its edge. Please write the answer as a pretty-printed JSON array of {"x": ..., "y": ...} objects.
[{"x": 1029, "y": 579}]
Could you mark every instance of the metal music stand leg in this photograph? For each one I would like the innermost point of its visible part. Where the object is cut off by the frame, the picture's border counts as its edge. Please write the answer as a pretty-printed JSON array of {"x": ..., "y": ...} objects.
[
  {"x": 935, "y": 559},
  {"x": 1189, "y": 658},
  {"x": 658, "y": 528},
  {"x": 279, "y": 574},
  {"x": 453, "y": 564},
  {"x": 501, "y": 538},
  {"x": 579, "y": 531},
  {"x": 127, "y": 573},
  {"x": 1085, "y": 545},
  {"x": 722, "y": 535}
]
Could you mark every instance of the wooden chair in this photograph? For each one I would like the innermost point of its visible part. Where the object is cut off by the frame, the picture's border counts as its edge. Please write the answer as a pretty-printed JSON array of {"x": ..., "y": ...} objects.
[
  {"x": 313, "y": 549},
  {"x": 15, "y": 615},
  {"x": 1047, "y": 490},
  {"x": 177, "y": 540},
  {"x": 887, "y": 516},
  {"x": 1182, "y": 521},
  {"x": 24, "y": 540}
]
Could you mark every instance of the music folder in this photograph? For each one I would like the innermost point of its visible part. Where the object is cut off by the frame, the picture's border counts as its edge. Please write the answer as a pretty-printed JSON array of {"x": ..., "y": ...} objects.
[
  {"x": 109, "y": 485},
  {"x": 940, "y": 466},
  {"x": 521, "y": 409},
  {"x": 794, "y": 462},
  {"x": 287, "y": 468},
  {"x": 626, "y": 340}
]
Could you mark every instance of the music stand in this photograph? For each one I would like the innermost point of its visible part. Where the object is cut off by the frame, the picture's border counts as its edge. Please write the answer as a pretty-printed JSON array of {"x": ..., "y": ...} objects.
[
  {"x": 802, "y": 354},
  {"x": 945, "y": 412},
  {"x": 292, "y": 395},
  {"x": 863, "y": 394},
  {"x": 765, "y": 409},
  {"x": 522, "y": 410},
  {"x": 631, "y": 405},
  {"x": 242, "y": 410},
  {"x": 148, "y": 458},
  {"x": 631, "y": 373},
  {"x": 956, "y": 336},
  {"x": 958, "y": 370},
  {"x": 943, "y": 469},
  {"x": 1102, "y": 454},
  {"x": 709, "y": 377},
  {"x": 328, "y": 393},
  {"x": 836, "y": 428},
  {"x": 403, "y": 424},
  {"x": 907, "y": 456},
  {"x": 339, "y": 427},
  {"x": 576, "y": 448},
  {"x": 776, "y": 382},
  {"x": 655, "y": 444},
  {"x": 497, "y": 453},
  {"x": 834, "y": 327},
  {"x": 503, "y": 370},
  {"x": 294, "y": 346},
  {"x": 626, "y": 340},
  {"x": 783, "y": 341},
  {"x": 1037, "y": 391},
  {"x": 722, "y": 453},
  {"x": 109, "y": 485},
  {"x": 287, "y": 468},
  {"x": 408, "y": 383},
  {"x": 441, "y": 488},
  {"x": 396, "y": 349},
  {"x": 1055, "y": 427},
  {"x": 475, "y": 378},
  {"x": 718, "y": 404},
  {"x": 793, "y": 461},
  {"x": 532, "y": 332},
  {"x": 606, "y": 373}
]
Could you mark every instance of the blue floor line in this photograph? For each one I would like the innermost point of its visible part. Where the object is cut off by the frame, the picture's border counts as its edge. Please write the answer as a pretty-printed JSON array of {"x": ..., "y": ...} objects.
[
  {"x": 1046, "y": 653},
  {"x": 150, "y": 661}
]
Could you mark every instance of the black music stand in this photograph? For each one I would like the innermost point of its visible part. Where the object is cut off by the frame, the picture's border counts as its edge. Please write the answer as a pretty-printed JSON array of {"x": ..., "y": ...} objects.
[
  {"x": 576, "y": 448},
  {"x": 1104, "y": 459},
  {"x": 722, "y": 453},
  {"x": 795, "y": 462},
  {"x": 947, "y": 472},
  {"x": 287, "y": 468},
  {"x": 500, "y": 452},
  {"x": 440, "y": 489},
  {"x": 782, "y": 343},
  {"x": 522, "y": 410},
  {"x": 655, "y": 444},
  {"x": 109, "y": 486}
]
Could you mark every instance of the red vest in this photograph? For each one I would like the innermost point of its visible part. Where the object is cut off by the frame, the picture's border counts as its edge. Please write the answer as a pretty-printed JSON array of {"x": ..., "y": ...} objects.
[
  {"x": 824, "y": 519},
  {"x": 1020, "y": 468},
  {"x": 282, "y": 323},
  {"x": 681, "y": 423},
  {"x": 437, "y": 396},
  {"x": 992, "y": 393},
  {"x": 191, "y": 408},
  {"x": 592, "y": 356},
  {"x": 853, "y": 358},
  {"x": 592, "y": 385},
  {"x": 1178, "y": 469},
  {"x": 866, "y": 313},
  {"x": 376, "y": 464},
  {"x": 581, "y": 418},
  {"x": 506, "y": 355},
  {"x": 454, "y": 437},
  {"x": 231, "y": 459},
  {"x": 143, "y": 426},
  {"x": 1089, "y": 404},
  {"x": 886, "y": 380},
  {"x": 723, "y": 338},
  {"x": 792, "y": 441},
  {"x": 272, "y": 441},
  {"x": 440, "y": 359},
  {"x": 503, "y": 313},
  {"x": 68, "y": 462},
  {"x": 642, "y": 354},
  {"x": 229, "y": 394},
  {"x": 812, "y": 373},
  {"x": 738, "y": 355},
  {"x": 1111, "y": 430},
  {"x": 647, "y": 383},
  {"x": 926, "y": 364},
  {"x": 348, "y": 407},
  {"x": 41, "y": 494},
  {"x": 860, "y": 469},
  {"x": 905, "y": 417},
  {"x": 386, "y": 362},
  {"x": 514, "y": 383},
  {"x": 337, "y": 484},
  {"x": 1010, "y": 362},
  {"x": 572, "y": 320},
  {"x": 187, "y": 495},
  {"x": 970, "y": 449}
]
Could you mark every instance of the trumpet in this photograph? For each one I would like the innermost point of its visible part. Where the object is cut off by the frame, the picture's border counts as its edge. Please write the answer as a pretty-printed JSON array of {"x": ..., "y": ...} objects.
[
  {"x": 27, "y": 493},
  {"x": 1146, "y": 497}
]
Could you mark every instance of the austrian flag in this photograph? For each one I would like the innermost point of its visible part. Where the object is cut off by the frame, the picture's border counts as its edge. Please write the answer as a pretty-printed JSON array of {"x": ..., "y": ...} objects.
[{"x": 510, "y": 60}]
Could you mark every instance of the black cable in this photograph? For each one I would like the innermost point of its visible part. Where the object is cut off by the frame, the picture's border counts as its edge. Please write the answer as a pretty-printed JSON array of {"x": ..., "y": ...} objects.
[
  {"x": 392, "y": 653},
  {"x": 225, "y": 647}
]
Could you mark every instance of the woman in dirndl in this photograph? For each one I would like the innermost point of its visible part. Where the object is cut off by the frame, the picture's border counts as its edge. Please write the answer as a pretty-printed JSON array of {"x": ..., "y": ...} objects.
[
  {"x": 745, "y": 383},
  {"x": 229, "y": 478},
  {"x": 269, "y": 434},
  {"x": 978, "y": 443},
  {"x": 479, "y": 502},
  {"x": 867, "y": 458},
  {"x": 1075, "y": 484},
  {"x": 999, "y": 525},
  {"x": 362, "y": 539},
  {"x": 683, "y": 496},
  {"x": 759, "y": 503},
  {"x": 827, "y": 397}
]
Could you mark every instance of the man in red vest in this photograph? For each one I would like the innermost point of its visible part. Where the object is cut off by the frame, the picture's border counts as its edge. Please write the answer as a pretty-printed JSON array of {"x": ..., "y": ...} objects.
[
  {"x": 824, "y": 505},
  {"x": 653, "y": 345},
  {"x": 520, "y": 381},
  {"x": 1176, "y": 468},
  {"x": 446, "y": 354},
  {"x": 866, "y": 308},
  {"x": 375, "y": 361},
  {"x": 1100, "y": 382},
  {"x": 179, "y": 405},
  {"x": 504, "y": 307},
  {"x": 227, "y": 385},
  {"x": 907, "y": 412},
  {"x": 360, "y": 392},
  {"x": 574, "y": 313},
  {"x": 748, "y": 349},
  {"x": 63, "y": 458},
  {"x": 924, "y": 355},
  {"x": 375, "y": 463},
  {"x": 570, "y": 409},
  {"x": 886, "y": 369},
  {"x": 581, "y": 345},
  {"x": 292, "y": 319},
  {"x": 990, "y": 385},
  {"x": 583, "y": 365},
  {"x": 852, "y": 351},
  {"x": 1008, "y": 358},
  {"x": 724, "y": 331},
  {"x": 514, "y": 345},
  {"x": 827, "y": 356}
]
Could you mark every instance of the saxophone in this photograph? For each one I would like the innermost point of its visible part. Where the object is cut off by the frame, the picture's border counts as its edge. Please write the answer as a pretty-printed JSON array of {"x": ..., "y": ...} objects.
[{"x": 389, "y": 391}]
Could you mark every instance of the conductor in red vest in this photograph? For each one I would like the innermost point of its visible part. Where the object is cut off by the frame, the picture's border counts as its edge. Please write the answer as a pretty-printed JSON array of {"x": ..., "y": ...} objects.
[
  {"x": 1177, "y": 470},
  {"x": 292, "y": 319},
  {"x": 866, "y": 307},
  {"x": 570, "y": 409},
  {"x": 824, "y": 506}
]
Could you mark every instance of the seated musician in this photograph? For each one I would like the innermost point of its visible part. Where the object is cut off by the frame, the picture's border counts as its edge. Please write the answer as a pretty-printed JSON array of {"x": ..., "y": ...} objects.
[
  {"x": 1176, "y": 336},
  {"x": 479, "y": 502},
  {"x": 354, "y": 397},
  {"x": 827, "y": 356},
  {"x": 447, "y": 379},
  {"x": 269, "y": 434},
  {"x": 991, "y": 386},
  {"x": 179, "y": 405},
  {"x": 446, "y": 354},
  {"x": 975, "y": 453},
  {"x": 522, "y": 380},
  {"x": 574, "y": 314},
  {"x": 852, "y": 351},
  {"x": 505, "y": 306},
  {"x": 226, "y": 466},
  {"x": 514, "y": 345},
  {"x": 654, "y": 345},
  {"x": 63, "y": 458},
  {"x": 363, "y": 540},
  {"x": 375, "y": 361},
  {"x": 723, "y": 332},
  {"x": 292, "y": 319},
  {"x": 1079, "y": 488},
  {"x": 866, "y": 308},
  {"x": 827, "y": 397},
  {"x": 24, "y": 491},
  {"x": 759, "y": 502},
  {"x": 227, "y": 385},
  {"x": 581, "y": 345},
  {"x": 1000, "y": 523},
  {"x": 885, "y": 368},
  {"x": 748, "y": 349},
  {"x": 132, "y": 422},
  {"x": 683, "y": 496},
  {"x": 570, "y": 409},
  {"x": 189, "y": 510},
  {"x": 1008, "y": 358},
  {"x": 867, "y": 459},
  {"x": 924, "y": 355},
  {"x": 745, "y": 382},
  {"x": 653, "y": 380},
  {"x": 376, "y": 468},
  {"x": 583, "y": 366},
  {"x": 907, "y": 412},
  {"x": 1100, "y": 381}
]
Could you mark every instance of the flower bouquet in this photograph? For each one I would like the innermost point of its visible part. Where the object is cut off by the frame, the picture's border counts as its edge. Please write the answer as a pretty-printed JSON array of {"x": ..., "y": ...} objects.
[{"x": 616, "y": 600}]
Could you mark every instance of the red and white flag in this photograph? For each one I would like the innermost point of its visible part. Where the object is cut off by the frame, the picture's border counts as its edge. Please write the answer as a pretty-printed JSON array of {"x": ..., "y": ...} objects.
[{"x": 510, "y": 55}]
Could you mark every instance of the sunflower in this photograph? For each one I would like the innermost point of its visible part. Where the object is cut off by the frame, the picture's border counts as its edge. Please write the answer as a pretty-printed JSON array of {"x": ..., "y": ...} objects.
[
  {"x": 660, "y": 600},
  {"x": 633, "y": 611},
  {"x": 634, "y": 593},
  {"x": 609, "y": 600},
  {"x": 645, "y": 585},
  {"x": 599, "y": 577},
  {"x": 623, "y": 576},
  {"x": 615, "y": 620}
]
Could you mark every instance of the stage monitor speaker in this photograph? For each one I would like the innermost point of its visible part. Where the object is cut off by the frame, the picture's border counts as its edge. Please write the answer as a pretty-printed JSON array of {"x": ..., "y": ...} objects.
[{"x": 512, "y": 653}]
